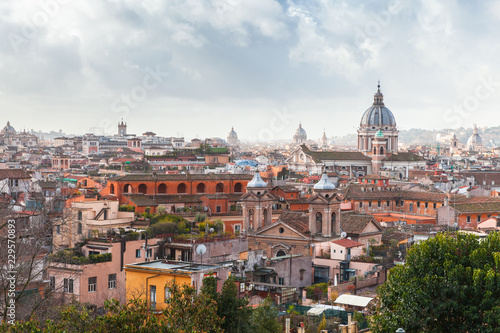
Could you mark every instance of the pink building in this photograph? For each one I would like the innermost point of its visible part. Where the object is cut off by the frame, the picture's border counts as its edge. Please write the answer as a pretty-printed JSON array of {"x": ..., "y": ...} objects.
[{"x": 85, "y": 282}]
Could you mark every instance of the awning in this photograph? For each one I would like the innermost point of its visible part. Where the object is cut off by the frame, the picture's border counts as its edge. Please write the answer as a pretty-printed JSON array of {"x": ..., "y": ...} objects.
[
  {"x": 318, "y": 310},
  {"x": 264, "y": 271},
  {"x": 353, "y": 300},
  {"x": 94, "y": 247}
]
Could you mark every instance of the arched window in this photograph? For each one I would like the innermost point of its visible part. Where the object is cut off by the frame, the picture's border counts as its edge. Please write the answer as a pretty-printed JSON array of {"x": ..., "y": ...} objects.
[
  {"x": 112, "y": 189},
  {"x": 200, "y": 188},
  {"x": 238, "y": 188},
  {"x": 381, "y": 150},
  {"x": 250, "y": 218},
  {"x": 162, "y": 188},
  {"x": 80, "y": 215},
  {"x": 319, "y": 222},
  {"x": 280, "y": 253},
  {"x": 334, "y": 223},
  {"x": 219, "y": 188},
  {"x": 143, "y": 188},
  {"x": 80, "y": 228},
  {"x": 265, "y": 217},
  {"x": 181, "y": 188},
  {"x": 127, "y": 188},
  {"x": 374, "y": 150}
]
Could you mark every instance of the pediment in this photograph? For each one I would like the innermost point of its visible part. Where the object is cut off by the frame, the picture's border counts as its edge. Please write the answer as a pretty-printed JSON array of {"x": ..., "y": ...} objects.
[
  {"x": 274, "y": 230},
  {"x": 321, "y": 199}
]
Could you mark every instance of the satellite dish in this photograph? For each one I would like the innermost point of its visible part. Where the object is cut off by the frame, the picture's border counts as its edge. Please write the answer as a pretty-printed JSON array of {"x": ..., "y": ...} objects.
[
  {"x": 212, "y": 230},
  {"x": 201, "y": 249},
  {"x": 343, "y": 234},
  {"x": 348, "y": 237}
]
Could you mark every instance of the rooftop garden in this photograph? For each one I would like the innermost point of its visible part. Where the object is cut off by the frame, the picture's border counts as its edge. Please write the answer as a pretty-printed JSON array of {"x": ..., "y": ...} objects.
[{"x": 75, "y": 256}]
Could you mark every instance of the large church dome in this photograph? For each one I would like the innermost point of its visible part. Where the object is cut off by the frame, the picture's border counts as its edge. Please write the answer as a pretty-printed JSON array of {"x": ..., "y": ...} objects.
[
  {"x": 474, "y": 142},
  {"x": 8, "y": 129},
  {"x": 232, "y": 138},
  {"x": 378, "y": 115},
  {"x": 300, "y": 135}
]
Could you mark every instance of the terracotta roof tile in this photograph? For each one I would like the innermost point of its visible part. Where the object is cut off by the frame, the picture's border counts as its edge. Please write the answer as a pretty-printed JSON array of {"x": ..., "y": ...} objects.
[
  {"x": 186, "y": 177},
  {"x": 297, "y": 220},
  {"x": 347, "y": 243},
  {"x": 14, "y": 174},
  {"x": 319, "y": 156}
]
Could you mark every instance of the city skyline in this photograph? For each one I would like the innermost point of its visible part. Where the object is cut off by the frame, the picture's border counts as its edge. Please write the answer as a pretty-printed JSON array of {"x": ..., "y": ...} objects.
[{"x": 192, "y": 69}]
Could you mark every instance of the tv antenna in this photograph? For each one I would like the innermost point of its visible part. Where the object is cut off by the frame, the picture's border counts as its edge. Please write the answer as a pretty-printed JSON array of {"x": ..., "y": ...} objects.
[{"x": 201, "y": 250}]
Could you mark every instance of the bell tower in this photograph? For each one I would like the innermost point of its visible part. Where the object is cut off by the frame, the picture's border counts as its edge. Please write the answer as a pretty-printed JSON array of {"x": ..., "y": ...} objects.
[
  {"x": 122, "y": 129},
  {"x": 324, "y": 209},
  {"x": 257, "y": 205},
  {"x": 379, "y": 151}
]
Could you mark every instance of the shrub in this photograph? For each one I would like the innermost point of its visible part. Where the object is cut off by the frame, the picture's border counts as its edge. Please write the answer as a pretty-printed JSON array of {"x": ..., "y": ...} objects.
[
  {"x": 162, "y": 228},
  {"x": 200, "y": 217},
  {"x": 132, "y": 236}
]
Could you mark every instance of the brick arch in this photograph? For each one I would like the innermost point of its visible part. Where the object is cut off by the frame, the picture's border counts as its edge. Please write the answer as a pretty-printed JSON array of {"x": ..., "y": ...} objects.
[
  {"x": 201, "y": 188},
  {"x": 238, "y": 187},
  {"x": 127, "y": 188},
  {"x": 219, "y": 188},
  {"x": 111, "y": 189},
  {"x": 143, "y": 188},
  {"x": 162, "y": 188},
  {"x": 181, "y": 188}
]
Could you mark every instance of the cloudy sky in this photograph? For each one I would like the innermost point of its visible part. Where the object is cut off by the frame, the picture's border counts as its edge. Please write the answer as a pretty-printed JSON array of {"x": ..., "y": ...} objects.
[{"x": 196, "y": 67}]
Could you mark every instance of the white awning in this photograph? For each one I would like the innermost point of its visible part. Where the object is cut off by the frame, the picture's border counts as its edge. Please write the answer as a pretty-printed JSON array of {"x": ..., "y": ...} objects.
[
  {"x": 319, "y": 309},
  {"x": 353, "y": 300}
]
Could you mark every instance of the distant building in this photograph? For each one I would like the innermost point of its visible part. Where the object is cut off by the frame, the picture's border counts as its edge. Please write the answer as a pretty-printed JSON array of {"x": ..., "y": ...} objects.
[
  {"x": 475, "y": 142},
  {"x": 9, "y": 136},
  {"x": 122, "y": 129},
  {"x": 300, "y": 136},
  {"x": 232, "y": 138}
]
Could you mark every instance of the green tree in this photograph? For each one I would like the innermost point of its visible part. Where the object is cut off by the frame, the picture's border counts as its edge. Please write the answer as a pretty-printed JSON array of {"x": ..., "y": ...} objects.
[
  {"x": 448, "y": 284},
  {"x": 188, "y": 312},
  {"x": 210, "y": 287},
  {"x": 234, "y": 310},
  {"x": 264, "y": 318}
]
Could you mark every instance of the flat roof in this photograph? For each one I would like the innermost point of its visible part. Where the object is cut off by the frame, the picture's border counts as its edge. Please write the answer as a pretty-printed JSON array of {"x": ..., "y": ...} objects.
[{"x": 171, "y": 265}]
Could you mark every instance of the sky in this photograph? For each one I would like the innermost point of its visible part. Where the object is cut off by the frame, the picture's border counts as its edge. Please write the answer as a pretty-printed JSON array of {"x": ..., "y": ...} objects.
[{"x": 196, "y": 68}]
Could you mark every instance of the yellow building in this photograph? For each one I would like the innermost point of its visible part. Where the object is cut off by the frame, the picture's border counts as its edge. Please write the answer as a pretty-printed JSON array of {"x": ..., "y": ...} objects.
[{"x": 148, "y": 280}]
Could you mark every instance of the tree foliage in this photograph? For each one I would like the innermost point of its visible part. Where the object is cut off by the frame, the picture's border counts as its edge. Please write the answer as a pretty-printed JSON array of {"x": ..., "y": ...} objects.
[
  {"x": 264, "y": 318},
  {"x": 233, "y": 310},
  {"x": 186, "y": 311},
  {"x": 448, "y": 284}
]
